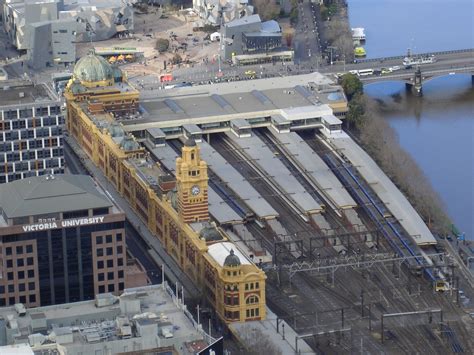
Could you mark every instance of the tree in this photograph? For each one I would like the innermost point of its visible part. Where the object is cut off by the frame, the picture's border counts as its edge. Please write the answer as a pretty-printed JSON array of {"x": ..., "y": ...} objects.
[
  {"x": 162, "y": 45},
  {"x": 258, "y": 343},
  {"x": 267, "y": 9},
  {"x": 288, "y": 36},
  {"x": 356, "y": 113},
  {"x": 176, "y": 59},
  {"x": 380, "y": 141},
  {"x": 209, "y": 28},
  {"x": 351, "y": 85},
  {"x": 294, "y": 13}
]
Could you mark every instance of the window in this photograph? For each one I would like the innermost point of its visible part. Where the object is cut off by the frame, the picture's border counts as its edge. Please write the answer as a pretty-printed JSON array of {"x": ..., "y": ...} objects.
[
  {"x": 121, "y": 286},
  {"x": 31, "y": 286},
  {"x": 100, "y": 264},
  {"x": 22, "y": 299},
  {"x": 119, "y": 237},
  {"x": 119, "y": 249},
  {"x": 10, "y": 276},
  {"x": 32, "y": 298},
  {"x": 101, "y": 277},
  {"x": 9, "y": 263},
  {"x": 108, "y": 239},
  {"x": 111, "y": 288},
  {"x": 29, "y": 248},
  {"x": 21, "y": 275},
  {"x": 110, "y": 263},
  {"x": 120, "y": 262},
  {"x": 252, "y": 299},
  {"x": 11, "y": 288},
  {"x": 11, "y": 300},
  {"x": 100, "y": 252},
  {"x": 110, "y": 251},
  {"x": 101, "y": 289},
  {"x": 31, "y": 273},
  {"x": 120, "y": 274},
  {"x": 110, "y": 276},
  {"x": 100, "y": 211},
  {"x": 21, "y": 287},
  {"x": 19, "y": 249},
  {"x": 20, "y": 262},
  {"x": 98, "y": 240},
  {"x": 29, "y": 261},
  {"x": 254, "y": 312}
]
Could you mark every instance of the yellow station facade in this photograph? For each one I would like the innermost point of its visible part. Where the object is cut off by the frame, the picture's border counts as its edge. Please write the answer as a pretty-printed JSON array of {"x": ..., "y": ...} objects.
[{"x": 98, "y": 94}]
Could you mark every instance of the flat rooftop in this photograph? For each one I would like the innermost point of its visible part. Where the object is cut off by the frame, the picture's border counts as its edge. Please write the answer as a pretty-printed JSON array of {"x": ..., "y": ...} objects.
[
  {"x": 45, "y": 194},
  {"x": 23, "y": 94},
  {"x": 86, "y": 322},
  {"x": 226, "y": 101}
]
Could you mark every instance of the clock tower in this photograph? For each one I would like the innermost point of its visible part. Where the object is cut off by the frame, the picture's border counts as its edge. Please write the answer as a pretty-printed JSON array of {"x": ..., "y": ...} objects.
[{"x": 191, "y": 179}]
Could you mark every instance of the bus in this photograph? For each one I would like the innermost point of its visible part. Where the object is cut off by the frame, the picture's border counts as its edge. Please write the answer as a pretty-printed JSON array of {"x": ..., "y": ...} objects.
[{"x": 365, "y": 72}]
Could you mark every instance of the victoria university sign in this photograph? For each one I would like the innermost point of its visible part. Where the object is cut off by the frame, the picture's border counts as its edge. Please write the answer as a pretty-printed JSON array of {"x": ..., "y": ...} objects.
[{"x": 62, "y": 224}]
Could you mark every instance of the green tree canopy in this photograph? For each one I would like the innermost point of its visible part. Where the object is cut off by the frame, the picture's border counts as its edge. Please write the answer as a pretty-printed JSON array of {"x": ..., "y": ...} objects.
[
  {"x": 162, "y": 45},
  {"x": 351, "y": 85}
]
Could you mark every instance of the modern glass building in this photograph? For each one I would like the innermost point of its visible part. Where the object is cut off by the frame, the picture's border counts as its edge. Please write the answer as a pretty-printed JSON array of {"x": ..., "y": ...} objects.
[{"x": 61, "y": 240}]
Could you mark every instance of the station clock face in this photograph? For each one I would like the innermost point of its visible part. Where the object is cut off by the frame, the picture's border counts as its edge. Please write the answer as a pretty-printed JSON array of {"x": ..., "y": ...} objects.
[{"x": 195, "y": 190}]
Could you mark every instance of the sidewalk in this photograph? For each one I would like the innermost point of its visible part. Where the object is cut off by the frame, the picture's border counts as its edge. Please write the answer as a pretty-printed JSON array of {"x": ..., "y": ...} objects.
[{"x": 172, "y": 269}]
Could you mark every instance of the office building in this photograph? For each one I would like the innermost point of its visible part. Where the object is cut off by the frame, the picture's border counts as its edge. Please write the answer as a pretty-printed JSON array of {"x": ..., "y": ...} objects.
[
  {"x": 31, "y": 131},
  {"x": 62, "y": 240}
]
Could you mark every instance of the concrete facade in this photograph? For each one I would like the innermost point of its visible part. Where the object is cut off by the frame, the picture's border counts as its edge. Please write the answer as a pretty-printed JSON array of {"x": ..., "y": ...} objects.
[
  {"x": 48, "y": 29},
  {"x": 56, "y": 39}
]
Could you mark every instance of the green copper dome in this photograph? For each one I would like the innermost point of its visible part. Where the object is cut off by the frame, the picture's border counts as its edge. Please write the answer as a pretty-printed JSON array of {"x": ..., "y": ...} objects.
[
  {"x": 92, "y": 68},
  {"x": 232, "y": 259}
]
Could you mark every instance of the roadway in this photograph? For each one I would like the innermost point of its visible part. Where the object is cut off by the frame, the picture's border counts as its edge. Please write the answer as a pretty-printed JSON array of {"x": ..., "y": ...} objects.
[
  {"x": 446, "y": 62},
  {"x": 306, "y": 41}
]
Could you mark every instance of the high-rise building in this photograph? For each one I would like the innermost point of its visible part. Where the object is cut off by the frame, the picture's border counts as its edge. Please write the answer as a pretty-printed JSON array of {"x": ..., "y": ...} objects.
[
  {"x": 31, "y": 132},
  {"x": 61, "y": 240}
]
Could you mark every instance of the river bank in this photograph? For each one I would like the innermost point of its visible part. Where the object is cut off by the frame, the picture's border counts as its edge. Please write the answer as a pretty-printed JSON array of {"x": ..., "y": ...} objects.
[
  {"x": 375, "y": 135},
  {"x": 436, "y": 129}
]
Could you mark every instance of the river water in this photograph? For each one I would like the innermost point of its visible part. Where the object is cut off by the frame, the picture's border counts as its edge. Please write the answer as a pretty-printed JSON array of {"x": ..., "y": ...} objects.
[{"x": 437, "y": 129}]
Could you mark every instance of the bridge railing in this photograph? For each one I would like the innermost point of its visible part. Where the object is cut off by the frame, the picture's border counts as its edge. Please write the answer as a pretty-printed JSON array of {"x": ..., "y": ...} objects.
[{"x": 417, "y": 55}]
